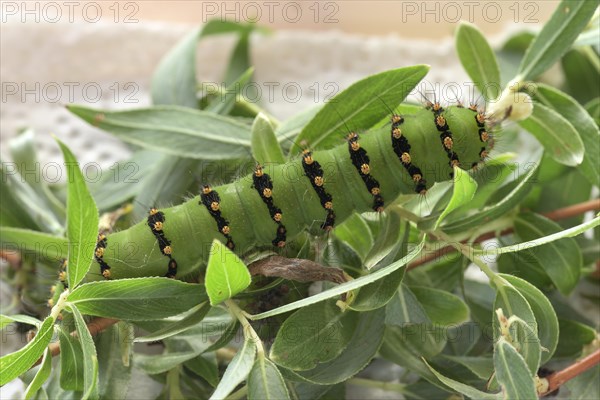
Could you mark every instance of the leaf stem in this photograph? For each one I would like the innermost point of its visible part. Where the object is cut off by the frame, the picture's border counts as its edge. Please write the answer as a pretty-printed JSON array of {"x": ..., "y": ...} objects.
[{"x": 249, "y": 332}]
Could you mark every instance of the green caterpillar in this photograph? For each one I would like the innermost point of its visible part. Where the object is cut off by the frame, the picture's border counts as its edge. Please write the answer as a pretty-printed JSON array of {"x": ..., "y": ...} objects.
[{"x": 322, "y": 188}]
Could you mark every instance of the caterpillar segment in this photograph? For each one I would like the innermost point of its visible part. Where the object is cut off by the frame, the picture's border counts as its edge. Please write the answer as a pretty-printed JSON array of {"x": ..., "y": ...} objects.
[{"x": 275, "y": 203}]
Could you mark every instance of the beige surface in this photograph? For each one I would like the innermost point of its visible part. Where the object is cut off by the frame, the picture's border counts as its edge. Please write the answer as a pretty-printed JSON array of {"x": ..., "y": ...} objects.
[{"x": 419, "y": 19}]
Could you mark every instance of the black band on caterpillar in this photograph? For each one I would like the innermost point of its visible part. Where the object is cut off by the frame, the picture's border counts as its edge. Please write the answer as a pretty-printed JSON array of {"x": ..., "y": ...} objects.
[
  {"x": 101, "y": 244},
  {"x": 212, "y": 202},
  {"x": 402, "y": 149},
  {"x": 360, "y": 160},
  {"x": 314, "y": 172},
  {"x": 156, "y": 221},
  {"x": 445, "y": 136},
  {"x": 264, "y": 186}
]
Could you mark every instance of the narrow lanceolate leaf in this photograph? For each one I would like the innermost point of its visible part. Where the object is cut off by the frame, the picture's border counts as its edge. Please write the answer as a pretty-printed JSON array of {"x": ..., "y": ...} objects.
[
  {"x": 41, "y": 376},
  {"x": 464, "y": 190},
  {"x": 226, "y": 274},
  {"x": 196, "y": 315},
  {"x": 71, "y": 362},
  {"x": 465, "y": 389},
  {"x": 174, "y": 81},
  {"x": 265, "y": 148},
  {"x": 300, "y": 343},
  {"x": 404, "y": 308},
  {"x": 174, "y": 130},
  {"x": 561, "y": 259},
  {"x": 25, "y": 319},
  {"x": 237, "y": 370},
  {"x": 14, "y": 364},
  {"x": 265, "y": 382},
  {"x": 361, "y": 349},
  {"x": 359, "y": 107},
  {"x": 137, "y": 299},
  {"x": 569, "y": 108},
  {"x": 558, "y": 136},
  {"x": 512, "y": 372},
  {"x": 90, "y": 358},
  {"x": 557, "y": 36},
  {"x": 443, "y": 308},
  {"x": 25, "y": 240},
  {"x": 478, "y": 60},
  {"x": 82, "y": 221}
]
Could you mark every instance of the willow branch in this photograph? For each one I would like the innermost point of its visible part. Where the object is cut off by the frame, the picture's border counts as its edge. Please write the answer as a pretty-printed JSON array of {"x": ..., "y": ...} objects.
[{"x": 560, "y": 377}]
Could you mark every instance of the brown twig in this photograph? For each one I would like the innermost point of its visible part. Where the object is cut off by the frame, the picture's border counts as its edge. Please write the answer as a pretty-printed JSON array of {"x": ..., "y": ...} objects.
[
  {"x": 560, "y": 377},
  {"x": 561, "y": 213},
  {"x": 95, "y": 326}
]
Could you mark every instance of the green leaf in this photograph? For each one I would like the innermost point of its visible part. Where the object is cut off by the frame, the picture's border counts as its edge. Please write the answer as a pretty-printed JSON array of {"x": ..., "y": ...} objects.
[
  {"x": 524, "y": 330},
  {"x": 543, "y": 312},
  {"x": 573, "y": 337},
  {"x": 192, "y": 318},
  {"x": 265, "y": 148},
  {"x": 344, "y": 287},
  {"x": 512, "y": 372},
  {"x": 225, "y": 100},
  {"x": 205, "y": 366},
  {"x": 237, "y": 370},
  {"x": 14, "y": 364},
  {"x": 25, "y": 240},
  {"x": 557, "y": 36},
  {"x": 558, "y": 136},
  {"x": 82, "y": 221},
  {"x": 265, "y": 382},
  {"x": 90, "y": 359},
  {"x": 41, "y": 376},
  {"x": 173, "y": 130},
  {"x": 313, "y": 335},
  {"x": 6, "y": 320},
  {"x": 360, "y": 106},
  {"x": 71, "y": 362},
  {"x": 114, "y": 349},
  {"x": 226, "y": 274},
  {"x": 347, "y": 232},
  {"x": 572, "y": 111},
  {"x": 174, "y": 80},
  {"x": 23, "y": 154},
  {"x": 137, "y": 299},
  {"x": 228, "y": 335},
  {"x": 157, "y": 364},
  {"x": 390, "y": 239},
  {"x": 483, "y": 367},
  {"x": 593, "y": 108},
  {"x": 581, "y": 69},
  {"x": 478, "y": 60},
  {"x": 361, "y": 349},
  {"x": 442, "y": 308},
  {"x": 404, "y": 308},
  {"x": 561, "y": 259},
  {"x": 495, "y": 210},
  {"x": 463, "y": 192},
  {"x": 378, "y": 293},
  {"x": 463, "y": 388}
]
